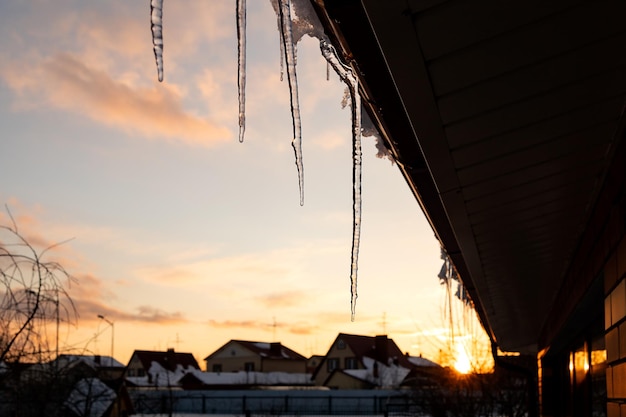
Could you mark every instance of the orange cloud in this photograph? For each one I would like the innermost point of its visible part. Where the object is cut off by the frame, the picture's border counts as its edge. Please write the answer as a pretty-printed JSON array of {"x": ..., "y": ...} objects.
[
  {"x": 65, "y": 82},
  {"x": 90, "y": 309},
  {"x": 245, "y": 324},
  {"x": 193, "y": 272},
  {"x": 86, "y": 295},
  {"x": 298, "y": 328},
  {"x": 148, "y": 314},
  {"x": 282, "y": 299},
  {"x": 303, "y": 328}
]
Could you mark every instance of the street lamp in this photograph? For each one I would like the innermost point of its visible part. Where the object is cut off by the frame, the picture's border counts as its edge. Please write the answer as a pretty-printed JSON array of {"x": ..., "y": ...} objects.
[{"x": 101, "y": 317}]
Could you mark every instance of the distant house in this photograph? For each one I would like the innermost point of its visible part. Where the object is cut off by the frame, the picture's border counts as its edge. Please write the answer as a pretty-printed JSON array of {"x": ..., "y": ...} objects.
[
  {"x": 241, "y": 355},
  {"x": 313, "y": 362},
  {"x": 80, "y": 385},
  {"x": 364, "y": 362},
  {"x": 158, "y": 369}
]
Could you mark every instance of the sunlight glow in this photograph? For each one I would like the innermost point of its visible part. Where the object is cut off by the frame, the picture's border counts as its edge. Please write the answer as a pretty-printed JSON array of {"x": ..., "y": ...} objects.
[{"x": 462, "y": 362}]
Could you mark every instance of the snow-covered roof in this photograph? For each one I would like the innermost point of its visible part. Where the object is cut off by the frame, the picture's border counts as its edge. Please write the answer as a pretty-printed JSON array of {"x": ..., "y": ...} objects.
[
  {"x": 158, "y": 376},
  {"x": 384, "y": 376},
  {"x": 420, "y": 361},
  {"x": 252, "y": 378},
  {"x": 274, "y": 350},
  {"x": 95, "y": 361},
  {"x": 90, "y": 398}
]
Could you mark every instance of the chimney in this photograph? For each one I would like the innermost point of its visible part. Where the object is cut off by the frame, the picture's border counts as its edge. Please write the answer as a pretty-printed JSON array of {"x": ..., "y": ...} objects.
[
  {"x": 381, "y": 348},
  {"x": 170, "y": 359},
  {"x": 276, "y": 349}
]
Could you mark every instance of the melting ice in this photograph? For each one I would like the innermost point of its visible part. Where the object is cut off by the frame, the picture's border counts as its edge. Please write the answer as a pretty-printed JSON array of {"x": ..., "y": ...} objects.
[
  {"x": 156, "y": 24},
  {"x": 291, "y": 30},
  {"x": 347, "y": 76},
  {"x": 241, "y": 67},
  {"x": 289, "y": 48}
]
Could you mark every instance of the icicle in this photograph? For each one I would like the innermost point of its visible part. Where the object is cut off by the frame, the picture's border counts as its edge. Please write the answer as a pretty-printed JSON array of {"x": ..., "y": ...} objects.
[
  {"x": 290, "y": 60},
  {"x": 347, "y": 76},
  {"x": 282, "y": 46},
  {"x": 156, "y": 24},
  {"x": 241, "y": 68}
]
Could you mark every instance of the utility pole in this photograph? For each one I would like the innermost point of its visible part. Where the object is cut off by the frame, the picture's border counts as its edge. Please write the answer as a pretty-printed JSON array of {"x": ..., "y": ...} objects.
[{"x": 110, "y": 323}]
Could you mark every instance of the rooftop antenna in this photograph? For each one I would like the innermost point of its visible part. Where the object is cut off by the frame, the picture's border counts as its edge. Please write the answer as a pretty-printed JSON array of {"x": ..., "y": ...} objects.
[
  {"x": 385, "y": 323},
  {"x": 274, "y": 328}
]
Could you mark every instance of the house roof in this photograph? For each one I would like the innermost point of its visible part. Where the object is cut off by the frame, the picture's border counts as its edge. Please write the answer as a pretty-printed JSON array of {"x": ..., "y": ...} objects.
[
  {"x": 169, "y": 359},
  {"x": 361, "y": 377},
  {"x": 266, "y": 350},
  {"x": 90, "y": 397},
  {"x": 423, "y": 362},
  {"x": 380, "y": 348},
  {"x": 506, "y": 120},
  {"x": 95, "y": 361},
  {"x": 243, "y": 378}
]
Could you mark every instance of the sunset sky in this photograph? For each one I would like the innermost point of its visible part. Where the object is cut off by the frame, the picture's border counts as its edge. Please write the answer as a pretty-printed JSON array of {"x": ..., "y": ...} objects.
[{"x": 181, "y": 235}]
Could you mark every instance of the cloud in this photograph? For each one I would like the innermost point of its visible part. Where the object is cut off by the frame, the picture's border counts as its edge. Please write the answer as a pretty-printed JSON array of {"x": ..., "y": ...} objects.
[
  {"x": 149, "y": 314},
  {"x": 90, "y": 309},
  {"x": 21, "y": 229},
  {"x": 297, "y": 328},
  {"x": 87, "y": 296},
  {"x": 240, "y": 268},
  {"x": 282, "y": 299},
  {"x": 237, "y": 324},
  {"x": 90, "y": 295},
  {"x": 65, "y": 82},
  {"x": 303, "y": 328}
]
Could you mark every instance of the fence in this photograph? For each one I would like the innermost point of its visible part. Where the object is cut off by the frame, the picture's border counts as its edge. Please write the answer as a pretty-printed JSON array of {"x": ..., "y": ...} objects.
[{"x": 274, "y": 403}]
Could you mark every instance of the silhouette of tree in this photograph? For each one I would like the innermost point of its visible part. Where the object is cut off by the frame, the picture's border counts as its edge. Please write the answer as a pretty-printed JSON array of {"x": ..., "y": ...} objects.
[{"x": 33, "y": 299}]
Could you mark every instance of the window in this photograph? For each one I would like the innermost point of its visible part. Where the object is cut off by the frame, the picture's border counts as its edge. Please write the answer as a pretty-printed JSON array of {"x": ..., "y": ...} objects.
[
  {"x": 249, "y": 366},
  {"x": 351, "y": 363},
  {"x": 341, "y": 344},
  {"x": 217, "y": 367},
  {"x": 332, "y": 364},
  {"x": 141, "y": 372}
]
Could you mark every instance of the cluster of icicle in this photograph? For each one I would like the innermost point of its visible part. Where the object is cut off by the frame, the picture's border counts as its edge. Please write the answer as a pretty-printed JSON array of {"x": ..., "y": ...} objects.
[
  {"x": 295, "y": 18},
  {"x": 448, "y": 277}
]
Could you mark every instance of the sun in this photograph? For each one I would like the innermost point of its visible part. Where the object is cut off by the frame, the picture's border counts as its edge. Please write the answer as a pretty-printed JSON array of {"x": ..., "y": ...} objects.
[{"x": 462, "y": 362}]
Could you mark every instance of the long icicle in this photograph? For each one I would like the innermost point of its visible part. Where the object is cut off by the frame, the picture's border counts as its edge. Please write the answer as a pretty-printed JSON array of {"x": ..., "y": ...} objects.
[
  {"x": 282, "y": 44},
  {"x": 156, "y": 25},
  {"x": 347, "y": 76},
  {"x": 241, "y": 67},
  {"x": 290, "y": 59}
]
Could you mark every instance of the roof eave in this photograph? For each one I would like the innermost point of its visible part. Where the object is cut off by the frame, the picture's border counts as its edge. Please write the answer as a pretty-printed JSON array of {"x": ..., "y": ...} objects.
[{"x": 348, "y": 25}]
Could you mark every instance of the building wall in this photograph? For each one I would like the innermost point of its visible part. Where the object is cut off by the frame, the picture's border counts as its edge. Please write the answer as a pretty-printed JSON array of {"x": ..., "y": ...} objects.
[
  {"x": 338, "y": 352},
  {"x": 234, "y": 357},
  {"x": 283, "y": 365},
  {"x": 582, "y": 362},
  {"x": 135, "y": 367},
  {"x": 615, "y": 325},
  {"x": 339, "y": 380}
]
